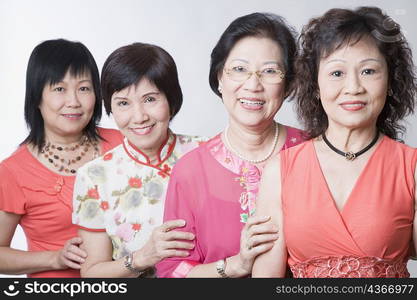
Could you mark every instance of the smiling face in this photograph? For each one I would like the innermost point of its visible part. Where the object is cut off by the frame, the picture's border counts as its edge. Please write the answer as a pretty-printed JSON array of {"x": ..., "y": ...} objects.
[
  {"x": 353, "y": 83},
  {"x": 142, "y": 114},
  {"x": 250, "y": 102},
  {"x": 67, "y": 106}
]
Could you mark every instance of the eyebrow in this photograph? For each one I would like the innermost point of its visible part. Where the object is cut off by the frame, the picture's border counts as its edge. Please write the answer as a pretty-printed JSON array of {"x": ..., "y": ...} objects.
[
  {"x": 81, "y": 81},
  {"x": 371, "y": 59},
  {"x": 362, "y": 61},
  {"x": 84, "y": 80},
  {"x": 265, "y": 63},
  {"x": 150, "y": 93},
  {"x": 239, "y": 59},
  {"x": 120, "y": 98},
  {"x": 144, "y": 95}
]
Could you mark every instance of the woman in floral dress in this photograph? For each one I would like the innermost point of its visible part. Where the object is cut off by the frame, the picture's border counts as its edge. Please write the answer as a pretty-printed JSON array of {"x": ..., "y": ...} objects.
[{"x": 119, "y": 198}]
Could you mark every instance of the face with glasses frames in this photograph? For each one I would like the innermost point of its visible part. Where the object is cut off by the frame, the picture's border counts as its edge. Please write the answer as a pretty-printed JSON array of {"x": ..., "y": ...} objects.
[
  {"x": 269, "y": 75},
  {"x": 252, "y": 81}
]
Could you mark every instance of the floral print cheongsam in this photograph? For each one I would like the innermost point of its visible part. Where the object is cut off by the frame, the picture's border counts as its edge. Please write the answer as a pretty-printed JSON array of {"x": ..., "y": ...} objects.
[{"x": 123, "y": 194}]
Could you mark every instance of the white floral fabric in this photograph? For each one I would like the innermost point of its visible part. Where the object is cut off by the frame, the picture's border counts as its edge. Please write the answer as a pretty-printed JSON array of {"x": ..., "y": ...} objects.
[{"x": 123, "y": 194}]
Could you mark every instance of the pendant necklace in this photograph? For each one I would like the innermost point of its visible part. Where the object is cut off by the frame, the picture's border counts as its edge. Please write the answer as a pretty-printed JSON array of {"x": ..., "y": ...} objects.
[{"x": 351, "y": 155}]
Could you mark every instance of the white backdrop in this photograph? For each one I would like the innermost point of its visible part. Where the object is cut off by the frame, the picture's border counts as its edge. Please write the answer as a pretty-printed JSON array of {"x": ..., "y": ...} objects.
[{"x": 187, "y": 29}]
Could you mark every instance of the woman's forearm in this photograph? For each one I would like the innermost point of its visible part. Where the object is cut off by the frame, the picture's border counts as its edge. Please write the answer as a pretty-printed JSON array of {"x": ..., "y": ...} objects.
[
  {"x": 108, "y": 269},
  {"x": 17, "y": 262},
  {"x": 232, "y": 269}
]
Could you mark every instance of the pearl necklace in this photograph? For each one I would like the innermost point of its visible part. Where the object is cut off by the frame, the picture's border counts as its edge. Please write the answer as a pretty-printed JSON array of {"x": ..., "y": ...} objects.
[{"x": 253, "y": 161}]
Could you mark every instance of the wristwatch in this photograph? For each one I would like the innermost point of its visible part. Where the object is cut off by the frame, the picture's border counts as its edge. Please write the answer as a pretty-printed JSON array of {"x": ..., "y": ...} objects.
[
  {"x": 128, "y": 264},
  {"x": 221, "y": 267}
]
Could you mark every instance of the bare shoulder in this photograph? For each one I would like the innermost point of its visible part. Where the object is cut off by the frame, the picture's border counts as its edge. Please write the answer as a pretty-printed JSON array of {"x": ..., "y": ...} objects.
[
  {"x": 273, "y": 167},
  {"x": 270, "y": 187}
]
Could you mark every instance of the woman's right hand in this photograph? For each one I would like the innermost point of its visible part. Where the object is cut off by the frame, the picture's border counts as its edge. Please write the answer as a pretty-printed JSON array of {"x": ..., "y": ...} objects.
[
  {"x": 164, "y": 242},
  {"x": 71, "y": 255},
  {"x": 257, "y": 236}
]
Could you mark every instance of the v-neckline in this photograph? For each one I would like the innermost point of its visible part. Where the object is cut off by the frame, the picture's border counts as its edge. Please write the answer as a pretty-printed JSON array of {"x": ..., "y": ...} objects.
[{"x": 355, "y": 185}]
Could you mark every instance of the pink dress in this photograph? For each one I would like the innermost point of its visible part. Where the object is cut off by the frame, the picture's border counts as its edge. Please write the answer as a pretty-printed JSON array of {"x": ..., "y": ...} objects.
[
  {"x": 43, "y": 199},
  {"x": 370, "y": 237},
  {"x": 214, "y": 191}
]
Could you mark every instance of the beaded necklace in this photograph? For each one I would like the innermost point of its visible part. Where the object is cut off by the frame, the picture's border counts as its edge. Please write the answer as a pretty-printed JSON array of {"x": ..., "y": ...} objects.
[{"x": 63, "y": 165}]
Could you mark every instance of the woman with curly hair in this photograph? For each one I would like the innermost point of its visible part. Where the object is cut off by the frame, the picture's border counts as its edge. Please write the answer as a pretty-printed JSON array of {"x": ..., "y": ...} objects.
[{"x": 357, "y": 181}]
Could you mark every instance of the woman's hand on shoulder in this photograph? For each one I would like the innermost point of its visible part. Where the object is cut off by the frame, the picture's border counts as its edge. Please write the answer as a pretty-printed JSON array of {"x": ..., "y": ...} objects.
[{"x": 164, "y": 242}]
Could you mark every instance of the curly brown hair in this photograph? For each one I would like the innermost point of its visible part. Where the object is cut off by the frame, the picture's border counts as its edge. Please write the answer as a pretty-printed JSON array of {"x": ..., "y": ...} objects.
[{"x": 340, "y": 27}]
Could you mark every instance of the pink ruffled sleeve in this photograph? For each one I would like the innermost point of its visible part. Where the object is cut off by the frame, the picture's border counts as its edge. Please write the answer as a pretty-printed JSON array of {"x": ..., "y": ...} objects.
[
  {"x": 12, "y": 199},
  {"x": 179, "y": 205}
]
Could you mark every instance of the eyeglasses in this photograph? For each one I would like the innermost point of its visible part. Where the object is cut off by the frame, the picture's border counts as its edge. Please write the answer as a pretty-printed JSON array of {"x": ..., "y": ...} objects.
[{"x": 268, "y": 75}]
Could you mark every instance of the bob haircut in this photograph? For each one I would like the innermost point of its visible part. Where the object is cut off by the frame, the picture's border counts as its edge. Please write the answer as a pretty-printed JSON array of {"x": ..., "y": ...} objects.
[
  {"x": 48, "y": 65},
  {"x": 129, "y": 64},
  {"x": 263, "y": 25},
  {"x": 338, "y": 28}
]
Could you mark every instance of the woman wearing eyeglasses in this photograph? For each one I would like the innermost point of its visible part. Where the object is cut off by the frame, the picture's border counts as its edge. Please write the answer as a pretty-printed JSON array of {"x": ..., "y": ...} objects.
[{"x": 214, "y": 187}]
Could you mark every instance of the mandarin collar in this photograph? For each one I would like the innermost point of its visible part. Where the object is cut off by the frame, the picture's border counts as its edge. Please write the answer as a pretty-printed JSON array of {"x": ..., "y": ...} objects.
[{"x": 163, "y": 153}]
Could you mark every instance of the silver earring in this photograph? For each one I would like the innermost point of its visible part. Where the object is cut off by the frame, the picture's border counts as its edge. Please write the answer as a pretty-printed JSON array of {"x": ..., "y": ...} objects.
[
  {"x": 219, "y": 89},
  {"x": 390, "y": 92}
]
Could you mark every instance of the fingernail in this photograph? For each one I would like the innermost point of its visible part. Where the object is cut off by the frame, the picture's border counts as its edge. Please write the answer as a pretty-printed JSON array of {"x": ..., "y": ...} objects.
[{"x": 182, "y": 223}]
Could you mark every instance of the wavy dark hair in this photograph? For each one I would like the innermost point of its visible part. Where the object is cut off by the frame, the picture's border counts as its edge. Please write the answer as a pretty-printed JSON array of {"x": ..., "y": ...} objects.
[
  {"x": 341, "y": 27},
  {"x": 266, "y": 25},
  {"x": 48, "y": 64}
]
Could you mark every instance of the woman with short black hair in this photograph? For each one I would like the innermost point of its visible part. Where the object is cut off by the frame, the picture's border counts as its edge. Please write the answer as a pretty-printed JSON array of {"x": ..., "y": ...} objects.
[
  {"x": 119, "y": 198},
  {"x": 62, "y": 110}
]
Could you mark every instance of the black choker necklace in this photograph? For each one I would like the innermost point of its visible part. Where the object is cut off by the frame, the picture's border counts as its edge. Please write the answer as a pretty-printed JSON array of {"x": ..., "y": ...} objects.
[{"x": 350, "y": 155}]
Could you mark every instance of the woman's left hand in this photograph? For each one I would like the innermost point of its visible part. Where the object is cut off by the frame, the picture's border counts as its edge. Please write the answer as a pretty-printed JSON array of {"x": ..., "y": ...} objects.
[
  {"x": 71, "y": 255},
  {"x": 257, "y": 236}
]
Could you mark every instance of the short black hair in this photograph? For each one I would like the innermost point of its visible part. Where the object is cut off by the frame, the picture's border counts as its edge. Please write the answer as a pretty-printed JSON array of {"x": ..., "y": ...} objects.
[
  {"x": 48, "y": 64},
  {"x": 340, "y": 27},
  {"x": 266, "y": 25},
  {"x": 127, "y": 65}
]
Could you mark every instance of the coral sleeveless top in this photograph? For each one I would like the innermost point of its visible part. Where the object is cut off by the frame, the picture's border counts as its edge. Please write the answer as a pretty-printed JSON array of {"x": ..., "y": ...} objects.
[{"x": 371, "y": 236}]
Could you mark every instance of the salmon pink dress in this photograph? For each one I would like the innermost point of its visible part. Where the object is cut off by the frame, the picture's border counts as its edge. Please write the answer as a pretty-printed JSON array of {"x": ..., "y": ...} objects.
[
  {"x": 215, "y": 192},
  {"x": 43, "y": 199},
  {"x": 370, "y": 236}
]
